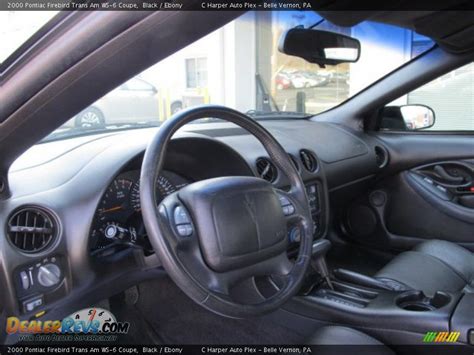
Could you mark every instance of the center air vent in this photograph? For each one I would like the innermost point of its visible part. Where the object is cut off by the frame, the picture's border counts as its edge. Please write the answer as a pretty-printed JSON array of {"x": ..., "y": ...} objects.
[
  {"x": 309, "y": 160},
  {"x": 266, "y": 170},
  {"x": 32, "y": 229}
]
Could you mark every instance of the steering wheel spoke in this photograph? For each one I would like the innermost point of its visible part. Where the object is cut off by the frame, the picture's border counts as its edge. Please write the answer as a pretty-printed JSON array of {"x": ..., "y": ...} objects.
[{"x": 293, "y": 210}]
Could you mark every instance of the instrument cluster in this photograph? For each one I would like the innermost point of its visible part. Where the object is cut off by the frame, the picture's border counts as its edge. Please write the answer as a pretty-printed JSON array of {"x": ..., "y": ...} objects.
[{"x": 118, "y": 221}]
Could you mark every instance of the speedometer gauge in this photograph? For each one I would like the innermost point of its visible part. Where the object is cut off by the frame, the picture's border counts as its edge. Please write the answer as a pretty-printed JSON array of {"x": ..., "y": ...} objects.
[{"x": 164, "y": 187}]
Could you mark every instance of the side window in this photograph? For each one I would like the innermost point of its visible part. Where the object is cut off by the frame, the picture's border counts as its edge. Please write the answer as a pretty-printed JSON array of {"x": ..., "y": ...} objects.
[{"x": 445, "y": 104}]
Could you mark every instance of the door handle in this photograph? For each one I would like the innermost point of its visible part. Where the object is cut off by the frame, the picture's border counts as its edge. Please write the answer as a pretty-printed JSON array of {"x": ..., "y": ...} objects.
[{"x": 448, "y": 178}]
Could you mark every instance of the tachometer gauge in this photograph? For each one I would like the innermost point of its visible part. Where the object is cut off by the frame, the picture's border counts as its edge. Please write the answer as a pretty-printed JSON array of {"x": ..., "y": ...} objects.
[
  {"x": 116, "y": 198},
  {"x": 163, "y": 188}
]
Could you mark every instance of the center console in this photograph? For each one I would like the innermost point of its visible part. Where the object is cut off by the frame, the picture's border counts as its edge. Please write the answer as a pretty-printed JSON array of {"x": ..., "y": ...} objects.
[
  {"x": 387, "y": 310},
  {"x": 411, "y": 314}
]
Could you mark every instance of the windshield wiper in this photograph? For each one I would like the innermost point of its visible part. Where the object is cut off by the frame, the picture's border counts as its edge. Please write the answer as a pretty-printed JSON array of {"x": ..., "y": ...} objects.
[
  {"x": 272, "y": 115},
  {"x": 72, "y": 132}
]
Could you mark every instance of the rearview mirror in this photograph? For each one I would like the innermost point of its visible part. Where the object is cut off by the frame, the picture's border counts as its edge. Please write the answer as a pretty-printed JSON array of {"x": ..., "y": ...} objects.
[
  {"x": 320, "y": 47},
  {"x": 417, "y": 116}
]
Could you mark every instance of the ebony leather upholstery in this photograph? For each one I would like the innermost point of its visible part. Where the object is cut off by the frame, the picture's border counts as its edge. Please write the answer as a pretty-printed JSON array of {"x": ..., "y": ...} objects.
[
  {"x": 336, "y": 335},
  {"x": 432, "y": 266}
]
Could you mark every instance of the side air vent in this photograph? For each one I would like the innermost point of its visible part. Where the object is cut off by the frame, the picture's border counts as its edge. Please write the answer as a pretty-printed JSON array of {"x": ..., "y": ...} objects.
[
  {"x": 309, "y": 160},
  {"x": 381, "y": 157},
  {"x": 266, "y": 170},
  {"x": 32, "y": 229}
]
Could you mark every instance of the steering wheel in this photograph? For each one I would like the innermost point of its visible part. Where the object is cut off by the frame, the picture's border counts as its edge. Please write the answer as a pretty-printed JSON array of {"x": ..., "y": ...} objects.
[{"x": 215, "y": 233}]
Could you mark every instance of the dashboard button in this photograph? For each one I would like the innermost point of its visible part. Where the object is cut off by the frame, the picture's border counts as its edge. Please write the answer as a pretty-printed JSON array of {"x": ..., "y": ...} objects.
[
  {"x": 25, "y": 280},
  {"x": 181, "y": 216},
  {"x": 428, "y": 180},
  {"x": 32, "y": 304},
  {"x": 288, "y": 208},
  {"x": 184, "y": 230},
  {"x": 284, "y": 201},
  {"x": 291, "y": 209}
]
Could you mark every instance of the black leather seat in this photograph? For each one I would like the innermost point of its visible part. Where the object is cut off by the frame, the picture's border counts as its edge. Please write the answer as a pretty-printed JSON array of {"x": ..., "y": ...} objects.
[
  {"x": 432, "y": 266},
  {"x": 336, "y": 335}
]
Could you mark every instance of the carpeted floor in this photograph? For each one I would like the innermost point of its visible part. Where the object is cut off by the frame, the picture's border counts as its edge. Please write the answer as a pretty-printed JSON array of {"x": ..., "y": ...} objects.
[{"x": 164, "y": 314}]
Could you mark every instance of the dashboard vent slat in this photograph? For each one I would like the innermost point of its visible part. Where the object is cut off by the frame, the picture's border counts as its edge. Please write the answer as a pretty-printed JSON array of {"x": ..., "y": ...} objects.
[
  {"x": 31, "y": 229},
  {"x": 308, "y": 160},
  {"x": 266, "y": 169}
]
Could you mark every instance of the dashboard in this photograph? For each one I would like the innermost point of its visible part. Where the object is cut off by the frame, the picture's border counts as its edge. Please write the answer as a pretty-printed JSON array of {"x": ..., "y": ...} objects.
[{"x": 85, "y": 192}]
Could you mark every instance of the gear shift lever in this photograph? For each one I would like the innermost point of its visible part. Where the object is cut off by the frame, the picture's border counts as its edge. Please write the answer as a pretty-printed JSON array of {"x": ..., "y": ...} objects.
[{"x": 318, "y": 259}]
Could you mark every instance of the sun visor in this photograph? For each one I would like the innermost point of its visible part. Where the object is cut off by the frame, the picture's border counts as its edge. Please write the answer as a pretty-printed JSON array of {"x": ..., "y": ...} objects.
[{"x": 452, "y": 30}]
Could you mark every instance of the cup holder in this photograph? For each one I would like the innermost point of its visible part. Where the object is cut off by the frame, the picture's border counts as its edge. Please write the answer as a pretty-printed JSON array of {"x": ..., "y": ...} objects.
[{"x": 417, "y": 301}]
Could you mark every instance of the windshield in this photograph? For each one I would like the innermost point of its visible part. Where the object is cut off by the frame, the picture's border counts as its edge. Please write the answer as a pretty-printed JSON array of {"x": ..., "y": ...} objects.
[
  {"x": 17, "y": 26},
  {"x": 239, "y": 66}
]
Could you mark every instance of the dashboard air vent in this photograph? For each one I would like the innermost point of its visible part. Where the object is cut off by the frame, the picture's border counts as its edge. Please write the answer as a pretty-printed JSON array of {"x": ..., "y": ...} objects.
[
  {"x": 309, "y": 160},
  {"x": 381, "y": 156},
  {"x": 32, "y": 229},
  {"x": 266, "y": 170}
]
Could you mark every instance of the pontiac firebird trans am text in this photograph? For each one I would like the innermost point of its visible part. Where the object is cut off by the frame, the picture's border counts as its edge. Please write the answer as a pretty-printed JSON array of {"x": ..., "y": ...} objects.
[{"x": 70, "y": 350}]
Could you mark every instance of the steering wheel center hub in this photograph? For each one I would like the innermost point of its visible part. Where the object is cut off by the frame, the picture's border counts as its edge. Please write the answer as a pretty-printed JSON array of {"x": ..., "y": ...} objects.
[{"x": 239, "y": 219}]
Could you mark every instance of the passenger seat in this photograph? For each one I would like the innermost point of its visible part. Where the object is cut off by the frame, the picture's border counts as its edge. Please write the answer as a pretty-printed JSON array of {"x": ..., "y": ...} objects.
[{"x": 432, "y": 266}]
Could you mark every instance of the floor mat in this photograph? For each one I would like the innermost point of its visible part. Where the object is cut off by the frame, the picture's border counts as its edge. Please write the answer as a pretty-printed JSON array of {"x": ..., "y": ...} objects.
[{"x": 176, "y": 319}]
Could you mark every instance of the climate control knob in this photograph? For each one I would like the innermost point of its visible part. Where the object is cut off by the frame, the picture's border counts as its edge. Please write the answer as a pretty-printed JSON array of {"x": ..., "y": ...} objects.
[{"x": 49, "y": 275}]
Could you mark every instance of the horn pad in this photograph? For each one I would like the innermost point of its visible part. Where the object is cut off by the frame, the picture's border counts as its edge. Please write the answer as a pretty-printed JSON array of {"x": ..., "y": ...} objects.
[{"x": 239, "y": 219}]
